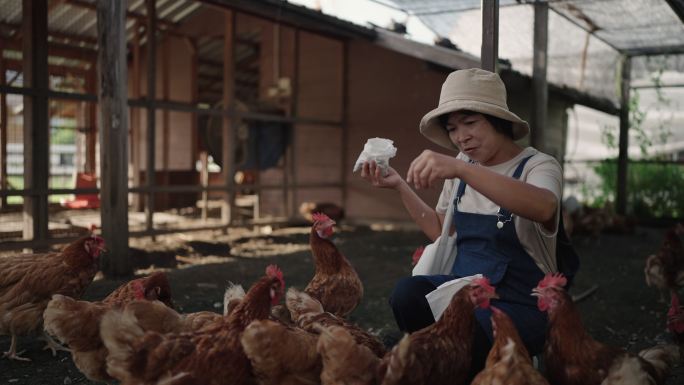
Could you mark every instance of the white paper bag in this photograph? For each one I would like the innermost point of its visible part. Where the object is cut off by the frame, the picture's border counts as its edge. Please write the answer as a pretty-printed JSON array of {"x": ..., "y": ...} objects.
[{"x": 440, "y": 298}]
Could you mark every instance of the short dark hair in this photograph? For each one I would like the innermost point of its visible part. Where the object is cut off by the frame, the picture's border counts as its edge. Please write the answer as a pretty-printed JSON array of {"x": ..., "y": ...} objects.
[{"x": 501, "y": 126}]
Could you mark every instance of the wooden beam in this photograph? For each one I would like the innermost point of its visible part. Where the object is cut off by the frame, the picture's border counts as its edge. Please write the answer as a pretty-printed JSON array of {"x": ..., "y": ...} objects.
[
  {"x": 36, "y": 132},
  {"x": 655, "y": 51},
  {"x": 293, "y": 180},
  {"x": 345, "y": 169},
  {"x": 539, "y": 81},
  {"x": 151, "y": 112},
  {"x": 113, "y": 116},
  {"x": 623, "y": 144},
  {"x": 489, "y": 54},
  {"x": 677, "y": 7},
  {"x": 91, "y": 133}
]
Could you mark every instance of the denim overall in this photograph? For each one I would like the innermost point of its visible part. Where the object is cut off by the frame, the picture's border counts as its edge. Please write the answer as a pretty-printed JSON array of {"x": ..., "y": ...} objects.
[{"x": 496, "y": 253}]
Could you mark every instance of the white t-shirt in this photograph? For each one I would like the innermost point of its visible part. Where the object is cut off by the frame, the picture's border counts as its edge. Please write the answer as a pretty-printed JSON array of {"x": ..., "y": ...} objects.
[{"x": 541, "y": 170}]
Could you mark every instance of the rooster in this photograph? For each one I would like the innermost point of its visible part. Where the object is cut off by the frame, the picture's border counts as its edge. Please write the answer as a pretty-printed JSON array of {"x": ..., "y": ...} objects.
[
  {"x": 308, "y": 314},
  {"x": 28, "y": 282},
  {"x": 281, "y": 354},
  {"x": 508, "y": 361},
  {"x": 77, "y": 323},
  {"x": 665, "y": 269},
  {"x": 439, "y": 353},
  {"x": 212, "y": 355},
  {"x": 345, "y": 362},
  {"x": 573, "y": 357},
  {"x": 335, "y": 282}
]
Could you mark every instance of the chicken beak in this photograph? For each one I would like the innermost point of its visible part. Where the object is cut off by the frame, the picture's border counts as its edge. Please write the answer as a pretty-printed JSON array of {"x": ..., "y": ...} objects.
[{"x": 494, "y": 296}]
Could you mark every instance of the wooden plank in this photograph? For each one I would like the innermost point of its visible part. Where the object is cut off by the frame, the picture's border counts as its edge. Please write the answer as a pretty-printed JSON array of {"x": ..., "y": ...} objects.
[
  {"x": 344, "y": 170},
  {"x": 489, "y": 55},
  {"x": 113, "y": 121},
  {"x": 36, "y": 132},
  {"x": 540, "y": 87},
  {"x": 623, "y": 144},
  {"x": 295, "y": 127},
  {"x": 151, "y": 113}
]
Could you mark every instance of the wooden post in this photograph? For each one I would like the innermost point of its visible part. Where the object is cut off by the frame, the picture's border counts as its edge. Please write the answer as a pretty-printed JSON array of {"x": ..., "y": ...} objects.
[
  {"x": 228, "y": 157},
  {"x": 623, "y": 156},
  {"x": 204, "y": 182},
  {"x": 113, "y": 121},
  {"x": 3, "y": 131},
  {"x": 539, "y": 81},
  {"x": 36, "y": 132},
  {"x": 136, "y": 118},
  {"x": 295, "y": 128},
  {"x": 166, "y": 128},
  {"x": 489, "y": 54},
  {"x": 345, "y": 121},
  {"x": 151, "y": 111},
  {"x": 91, "y": 128}
]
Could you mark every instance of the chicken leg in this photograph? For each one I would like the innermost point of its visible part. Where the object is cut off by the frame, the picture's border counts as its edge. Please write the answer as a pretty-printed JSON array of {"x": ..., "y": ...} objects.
[
  {"x": 12, "y": 352},
  {"x": 53, "y": 345}
]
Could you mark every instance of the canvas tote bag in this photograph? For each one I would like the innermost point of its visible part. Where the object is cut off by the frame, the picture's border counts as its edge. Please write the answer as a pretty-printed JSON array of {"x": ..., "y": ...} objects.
[{"x": 439, "y": 256}]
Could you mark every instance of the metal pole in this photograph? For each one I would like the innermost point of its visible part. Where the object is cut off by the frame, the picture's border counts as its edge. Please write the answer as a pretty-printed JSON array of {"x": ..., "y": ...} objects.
[
  {"x": 151, "y": 111},
  {"x": 489, "y": 55},
  {"x": 539, "y": 81},
  {"x": 623, "y": 156}
]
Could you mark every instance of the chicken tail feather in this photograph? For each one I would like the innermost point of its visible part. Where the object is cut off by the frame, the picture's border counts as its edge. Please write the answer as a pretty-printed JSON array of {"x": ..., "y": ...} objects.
[
  {"x": 662, "y": 358},
  {"x": 119, "y": 330},
  {"x": 398, "y": 362}
]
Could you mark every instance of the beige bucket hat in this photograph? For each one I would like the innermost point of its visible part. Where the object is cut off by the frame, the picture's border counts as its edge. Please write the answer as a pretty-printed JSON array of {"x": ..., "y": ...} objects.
[{"x": 471, "y": 89}]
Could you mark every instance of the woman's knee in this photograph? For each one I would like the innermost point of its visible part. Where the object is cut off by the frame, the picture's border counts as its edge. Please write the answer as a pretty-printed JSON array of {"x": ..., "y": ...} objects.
[{"x": 408, "y": 291}]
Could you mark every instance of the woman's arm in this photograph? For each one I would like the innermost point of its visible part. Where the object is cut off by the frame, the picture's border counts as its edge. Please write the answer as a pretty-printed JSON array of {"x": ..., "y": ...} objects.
[
  {"x": 429, "y": 221},
  {"x": 522, "y": 199}
]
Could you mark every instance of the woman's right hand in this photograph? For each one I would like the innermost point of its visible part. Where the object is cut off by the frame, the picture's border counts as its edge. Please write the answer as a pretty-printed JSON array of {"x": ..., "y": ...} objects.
[{"x": 373, "y": 174}]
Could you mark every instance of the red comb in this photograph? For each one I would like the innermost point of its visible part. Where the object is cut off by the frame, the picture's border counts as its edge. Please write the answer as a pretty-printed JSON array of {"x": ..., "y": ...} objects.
[
  {"x": 483, "y": 283},
  {"x": 555, "y": 280},
  {"x": 274, "y": 271},
  {"x": 319, "y": 217},
  {"x": 417, "y": 254}
]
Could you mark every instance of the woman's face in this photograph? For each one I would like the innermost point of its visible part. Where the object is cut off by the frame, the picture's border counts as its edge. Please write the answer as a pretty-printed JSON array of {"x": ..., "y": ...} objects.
[{"x": 475, "y": 136}]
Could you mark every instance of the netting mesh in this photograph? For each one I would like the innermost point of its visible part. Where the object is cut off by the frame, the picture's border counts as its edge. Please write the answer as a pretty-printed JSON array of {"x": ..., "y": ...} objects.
[{"x": 584, "y": 39}]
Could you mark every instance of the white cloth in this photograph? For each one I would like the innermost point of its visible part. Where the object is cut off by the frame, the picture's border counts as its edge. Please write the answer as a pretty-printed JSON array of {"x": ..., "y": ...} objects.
[
  {"x": 440, "y": 298},
  {"x": 378, "y": 149}
]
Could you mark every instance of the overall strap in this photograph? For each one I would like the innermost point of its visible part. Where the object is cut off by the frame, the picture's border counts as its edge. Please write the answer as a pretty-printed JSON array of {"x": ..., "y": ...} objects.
[{"x": 516, "y": 174}]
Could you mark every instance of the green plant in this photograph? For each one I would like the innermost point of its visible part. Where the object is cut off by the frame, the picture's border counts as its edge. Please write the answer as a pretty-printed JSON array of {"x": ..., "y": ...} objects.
[{"x": 653, "y": 189}]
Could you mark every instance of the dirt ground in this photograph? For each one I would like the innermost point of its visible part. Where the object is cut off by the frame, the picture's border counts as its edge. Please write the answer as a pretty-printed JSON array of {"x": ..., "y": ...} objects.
[{"x": 622, "y": 311}]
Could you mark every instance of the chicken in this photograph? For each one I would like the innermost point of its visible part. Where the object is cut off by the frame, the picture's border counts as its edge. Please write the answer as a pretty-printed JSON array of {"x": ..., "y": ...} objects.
[
  {"x": 335, "y": 282},
  {"x": 212, "y": 355},
  {"x": 28, "y": 282},
  {"x": 439, "y": 353},
  {"x": 675, "y": 319},
  {"x": 345, "y": 362},
  {"x": 77, "y": 323},
  {"x": 232, "y": 297},
  {"x": 308, "y": 314},
  {"x": 573, "y": 357},
  {"x": 416, "y": 255},
  {"x": 508, "y": 361},
  {"x": 665, "y": 269},
  {"x": 281, "y": 354}
]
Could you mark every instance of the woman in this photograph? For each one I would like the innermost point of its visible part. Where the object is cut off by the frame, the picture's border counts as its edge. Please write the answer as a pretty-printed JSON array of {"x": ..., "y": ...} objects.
[{"x": 506, "y": 208}]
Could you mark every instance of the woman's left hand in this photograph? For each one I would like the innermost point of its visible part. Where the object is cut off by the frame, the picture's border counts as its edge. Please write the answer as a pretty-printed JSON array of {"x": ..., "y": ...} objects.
[{"x": 431, "y": 167}]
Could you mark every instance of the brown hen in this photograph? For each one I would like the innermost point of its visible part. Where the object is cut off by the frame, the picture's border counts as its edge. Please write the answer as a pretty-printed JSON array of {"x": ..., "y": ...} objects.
[
  {"x": 573, "y": 357},
  {"x": 29, "y": 281},
  {"x": 439, "y": 353},
  {"x": 345, "y": 361},
  {"x": 308, "y": 314},
  {"x": 211, "y": 356},
  {"x": 508, "y": 362},
  {"x": 335, "y": 282},
  {"x": 77, "y": 323},
  {"x": 665, "y": 269}
]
